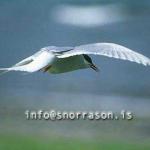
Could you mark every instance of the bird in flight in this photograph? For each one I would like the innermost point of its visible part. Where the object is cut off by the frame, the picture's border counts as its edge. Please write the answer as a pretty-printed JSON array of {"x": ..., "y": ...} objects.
[{"x": 57, "y": 60}]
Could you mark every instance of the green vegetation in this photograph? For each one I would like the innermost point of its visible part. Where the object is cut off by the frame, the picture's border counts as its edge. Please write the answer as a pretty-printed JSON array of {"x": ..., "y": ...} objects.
[{"x": 22, "y": 142}]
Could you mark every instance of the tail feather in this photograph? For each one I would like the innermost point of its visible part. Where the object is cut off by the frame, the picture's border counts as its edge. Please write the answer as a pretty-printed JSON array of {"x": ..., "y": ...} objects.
[
  {"x": 4, "y": 70},
  {"x": 18, "y": 68}
]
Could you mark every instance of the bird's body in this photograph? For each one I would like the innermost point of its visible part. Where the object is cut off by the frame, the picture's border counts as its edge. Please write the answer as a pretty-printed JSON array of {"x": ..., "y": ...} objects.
[
  {"x": 57, "y": 60},
  {"x": 63, "y": 65}
]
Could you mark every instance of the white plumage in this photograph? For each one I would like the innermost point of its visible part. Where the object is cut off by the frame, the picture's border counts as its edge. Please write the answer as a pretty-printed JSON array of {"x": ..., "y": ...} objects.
[
  {"x": 64, "y": 59},
  {"x": 109, "y": 50}
]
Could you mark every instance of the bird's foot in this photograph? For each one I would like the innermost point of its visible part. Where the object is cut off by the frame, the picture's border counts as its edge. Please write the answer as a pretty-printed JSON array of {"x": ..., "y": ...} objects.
[{"x": 45, "y": 69}]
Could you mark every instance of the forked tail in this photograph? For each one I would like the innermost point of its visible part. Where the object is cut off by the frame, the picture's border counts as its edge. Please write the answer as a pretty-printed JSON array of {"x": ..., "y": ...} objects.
[{"x": 4, "y": 70}]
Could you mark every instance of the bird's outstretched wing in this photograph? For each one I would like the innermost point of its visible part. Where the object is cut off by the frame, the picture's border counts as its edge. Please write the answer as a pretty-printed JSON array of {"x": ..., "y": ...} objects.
[
  {"x": 21, "y": 63},
  {"x": 29, "y": 59},
  {"x": 109, "y": 50},
  {"x": 33, "y": 63},
  {"x": 24, "y": 61}
]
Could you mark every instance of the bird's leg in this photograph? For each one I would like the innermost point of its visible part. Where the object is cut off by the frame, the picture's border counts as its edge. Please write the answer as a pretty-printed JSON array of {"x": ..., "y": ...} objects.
[{"x": 45, "y": 69}]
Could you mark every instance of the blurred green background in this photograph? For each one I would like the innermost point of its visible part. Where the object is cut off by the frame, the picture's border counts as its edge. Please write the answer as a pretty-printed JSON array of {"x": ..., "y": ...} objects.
[{"x": 26, "y": 26}]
